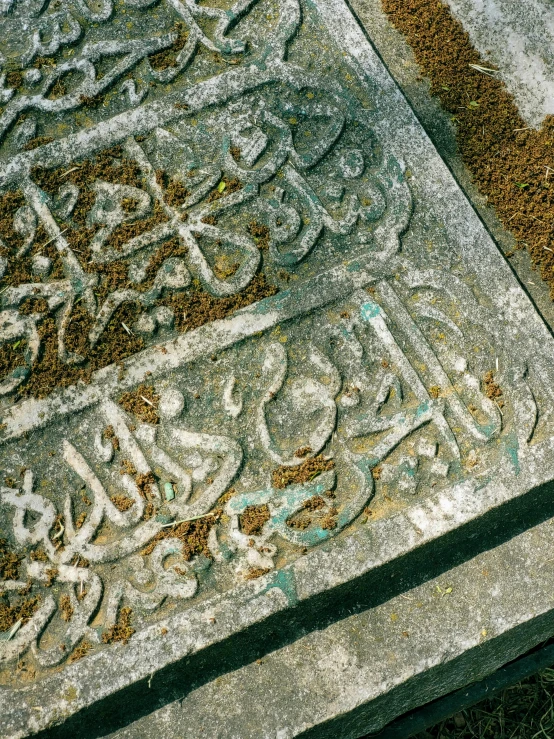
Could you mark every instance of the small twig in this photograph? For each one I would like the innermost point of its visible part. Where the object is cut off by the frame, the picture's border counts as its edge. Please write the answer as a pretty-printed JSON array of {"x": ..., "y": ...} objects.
[
  {"x": 13, "y": 631},
  {"x": 186, "y": 520},
  {"x": 68, "y": 171},
  {"x": 53, "y": 238},
  {"x": 548, "y": 249},
  {"x": 127, "y": 329},
  {"x": 147, "y": 401},
  {"x": 60, "y": 532},
  {"x": 484, "y": 70},
  {"x": 527, "y": 128}
]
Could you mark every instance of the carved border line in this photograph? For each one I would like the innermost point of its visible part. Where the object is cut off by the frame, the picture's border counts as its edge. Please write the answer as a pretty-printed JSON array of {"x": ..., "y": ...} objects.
[{"x": 160, "y": 359}]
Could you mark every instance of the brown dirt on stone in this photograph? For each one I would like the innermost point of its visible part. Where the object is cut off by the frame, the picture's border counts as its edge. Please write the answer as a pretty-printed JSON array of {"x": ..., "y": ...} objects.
[
  {"x": 66, "y": 609},
  {"x": 57, "y": 90},
  {"x": 127, "y": 231},
  {"x": 167, "y": 57},
  {"x": 122, "y": 630},
  {"x": 91, "y": 102},
  {"x": 14, "y": 80},
  {"x": 9, "y": 562},
  {"x": 109, "y": 433},
  {"x": 493, "y": 391},
  {"x": 256, "y": 572},
  {"x": 260, "y": 234},
  {"x": 122, "y": 503},
  {"x": 253, "y": 518},
  {"x": 284, "y": 476},
  {"x": 197, "y": 307},
  {"x": 37, "y": 141},
  {"x": 171, "y": 248},
  {"x": 81, "y": 651},
  {"x": 176, "y": 193},
  {"x": 22, "y": 609},
  {"x": 193, "y": 308},
  {"x": 142, "y": 402},
  {"x": 127, "y": 468},
  {"x": 144, "y": 482},
  {"x": 511, "y": 166},
  {"x": 11, "y": 357},
  {"x": 38, "y": 555},
  {"x": 314, "y": 504},
  {"x": 330, "y": 521},
  {"x": 193, "y": 535},
  {"x": 114, "y": 345},
  {"x": 231, "y": 186},
  {"x": 301, "y": 520}
]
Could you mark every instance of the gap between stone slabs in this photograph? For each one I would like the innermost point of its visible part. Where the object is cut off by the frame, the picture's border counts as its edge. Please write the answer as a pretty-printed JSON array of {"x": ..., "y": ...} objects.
[{"x": 442, "y": 709}]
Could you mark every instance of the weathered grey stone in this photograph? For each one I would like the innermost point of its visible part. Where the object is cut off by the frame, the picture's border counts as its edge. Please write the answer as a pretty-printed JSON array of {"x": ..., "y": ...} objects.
[
  {"x": 518, "y": 40},
  {"x": 400, "y": 347},
  {"x": 355, "y": 676}
]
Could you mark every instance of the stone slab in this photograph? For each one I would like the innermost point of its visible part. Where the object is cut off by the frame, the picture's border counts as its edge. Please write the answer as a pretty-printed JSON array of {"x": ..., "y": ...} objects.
[
  {"x": 518, "y": 40},
  {"x": 395, "y": 319},
  {"x": 354, "y": 677}
]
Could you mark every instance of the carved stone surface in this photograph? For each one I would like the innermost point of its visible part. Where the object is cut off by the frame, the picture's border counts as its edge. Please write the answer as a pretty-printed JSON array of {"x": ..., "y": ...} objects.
[{"x": 393, "y": 385}]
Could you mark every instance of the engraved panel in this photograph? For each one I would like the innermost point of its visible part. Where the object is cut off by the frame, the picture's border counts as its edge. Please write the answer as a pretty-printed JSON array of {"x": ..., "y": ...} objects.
[{"x": 236, "y": 322}]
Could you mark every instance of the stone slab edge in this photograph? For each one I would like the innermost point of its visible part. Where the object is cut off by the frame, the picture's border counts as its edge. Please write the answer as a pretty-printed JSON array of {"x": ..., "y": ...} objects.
[{"x": 357, "y": 675}]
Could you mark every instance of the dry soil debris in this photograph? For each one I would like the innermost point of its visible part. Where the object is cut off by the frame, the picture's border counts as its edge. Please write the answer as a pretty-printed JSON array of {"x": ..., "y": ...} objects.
[
  {"x": 510, "y": 162},
  {"x": 122, "y": 503},
  {"x": 167, "y": 57},
  {"x": 301, "y": 473},
  {"x": 197, "y": 307},
  {"x": 256, "y": 572},
  {"x": 9, "y": 562},
  {"x": 142, "y": 402},
  {"x": 253, "y": 518},
  {"x": 122, "y": 630},
  {"x": 22, "y": 610},
  {"x": 193, "y": 535},
  {"x": 66, "y": 609},
  {"x": 493, "y": 391},
  {"x": 81, "y": 651}
]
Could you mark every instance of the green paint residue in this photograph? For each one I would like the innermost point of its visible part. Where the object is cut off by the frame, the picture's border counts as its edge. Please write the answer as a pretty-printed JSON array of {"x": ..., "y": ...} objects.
[{"x": 369, "y": 310}]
